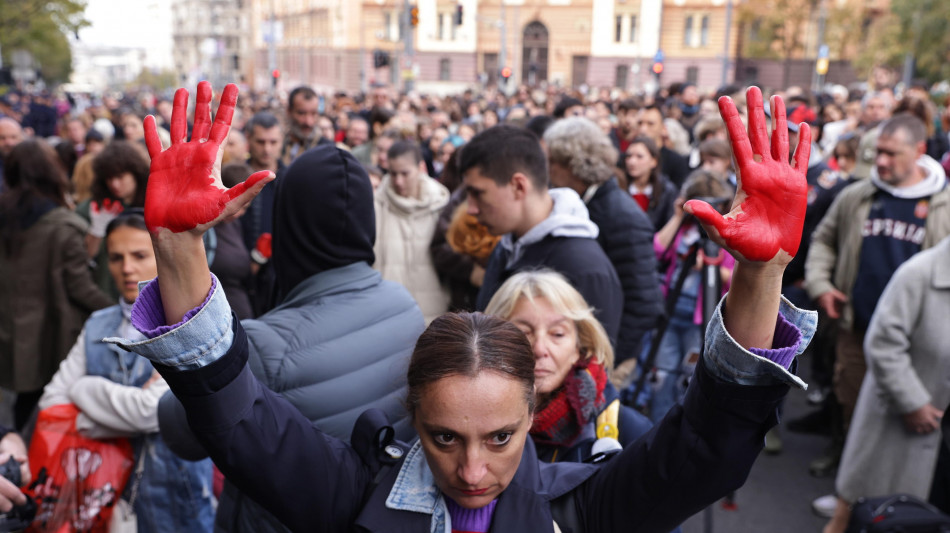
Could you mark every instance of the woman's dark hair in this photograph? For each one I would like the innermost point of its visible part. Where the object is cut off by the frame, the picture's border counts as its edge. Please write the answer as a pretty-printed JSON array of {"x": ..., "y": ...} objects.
[
  {"x": 918, "y": 108},
  {"x": 847, "y": 146},
  {"x": 130, "y": 218},
  {"x": 32, "y": 177},
  {"x": 466, "y": 344},
  {"x": 119, "y": 157},
  {"x": 707, "y": 185},
  {"x": 235, "y": 173},
  {"x": 654, "y": 150},
  {"x": 68, "y": 157}
]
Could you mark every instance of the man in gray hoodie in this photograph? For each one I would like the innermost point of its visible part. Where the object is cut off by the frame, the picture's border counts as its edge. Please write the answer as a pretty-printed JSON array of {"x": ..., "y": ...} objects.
[
  {"x": 872, "y": 228},
  {"x": 506, "y": 177}
]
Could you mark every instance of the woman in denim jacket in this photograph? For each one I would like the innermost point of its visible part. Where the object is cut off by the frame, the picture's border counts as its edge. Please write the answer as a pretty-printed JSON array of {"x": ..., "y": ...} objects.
[
  {"x": 471, "y": 379},
  {"x": 117, "y": 393}
]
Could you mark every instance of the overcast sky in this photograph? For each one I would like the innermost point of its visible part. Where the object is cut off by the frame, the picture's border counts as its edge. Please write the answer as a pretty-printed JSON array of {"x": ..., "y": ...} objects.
[{"x": 138, "y": 24}]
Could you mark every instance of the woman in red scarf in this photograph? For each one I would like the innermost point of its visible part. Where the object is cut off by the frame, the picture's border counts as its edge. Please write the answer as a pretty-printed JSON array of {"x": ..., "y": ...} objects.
[{"x": 572, "y": 359}]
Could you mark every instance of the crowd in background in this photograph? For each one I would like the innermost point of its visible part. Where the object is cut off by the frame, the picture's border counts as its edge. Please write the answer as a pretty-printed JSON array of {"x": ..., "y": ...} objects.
[{"x": 619, "y": 167}]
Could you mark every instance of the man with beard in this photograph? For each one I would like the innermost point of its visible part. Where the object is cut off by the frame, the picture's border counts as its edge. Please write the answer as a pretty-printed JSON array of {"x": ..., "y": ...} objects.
[{"x": 303, "y": 112}]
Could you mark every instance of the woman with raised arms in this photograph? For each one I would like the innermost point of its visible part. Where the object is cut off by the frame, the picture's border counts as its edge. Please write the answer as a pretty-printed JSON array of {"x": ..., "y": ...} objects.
[{"x": 471, "y": 377}]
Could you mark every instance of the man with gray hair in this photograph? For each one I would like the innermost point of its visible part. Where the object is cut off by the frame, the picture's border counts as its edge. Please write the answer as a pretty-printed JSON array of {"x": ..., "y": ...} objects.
[
  {"x": 876, "y": 107},
  {"x": 263, "y": 145},
  {"x": 582, "y": 157},
  {"x": 872, "y": 227}
]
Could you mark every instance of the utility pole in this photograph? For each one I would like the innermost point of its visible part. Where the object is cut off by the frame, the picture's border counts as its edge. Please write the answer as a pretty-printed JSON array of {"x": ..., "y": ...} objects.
[
  {"x": 272, "y": 47},
  {"x": 725, "y": 47},
  {"x": 363, "y": 86},
  {"x": 503, "y": 51},
  {"x": 821, "y": 62},
  {"x": 910, "y": 59},
  {"x": 408, "y": 52}
]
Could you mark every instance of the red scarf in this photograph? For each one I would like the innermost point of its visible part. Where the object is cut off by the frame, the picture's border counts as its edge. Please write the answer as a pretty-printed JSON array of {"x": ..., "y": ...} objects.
[{"x": 572, "y": 406}]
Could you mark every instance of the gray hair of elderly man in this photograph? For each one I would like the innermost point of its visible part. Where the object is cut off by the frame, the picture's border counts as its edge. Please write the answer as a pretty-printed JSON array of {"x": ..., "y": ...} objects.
[{"x": 579, "y": 145}]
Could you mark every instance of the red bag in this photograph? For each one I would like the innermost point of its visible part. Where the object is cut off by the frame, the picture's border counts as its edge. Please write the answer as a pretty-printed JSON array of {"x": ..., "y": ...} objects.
[{"x": 83, "y": 477}]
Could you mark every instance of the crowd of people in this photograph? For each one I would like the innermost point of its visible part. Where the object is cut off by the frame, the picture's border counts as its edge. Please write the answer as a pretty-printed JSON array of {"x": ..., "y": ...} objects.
[{"x": 407, "y": 261}]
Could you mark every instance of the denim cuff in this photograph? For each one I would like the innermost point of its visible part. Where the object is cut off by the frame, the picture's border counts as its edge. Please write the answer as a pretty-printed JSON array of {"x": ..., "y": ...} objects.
[
  {"x": 148, "y": 313},
  {"x": 729, "y": 361},
  {"x": 202, "y": 337}
]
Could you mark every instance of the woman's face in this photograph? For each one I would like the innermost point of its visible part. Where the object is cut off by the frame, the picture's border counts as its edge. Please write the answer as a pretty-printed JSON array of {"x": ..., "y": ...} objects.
[
  {"x": 489, "y": 119},
  {"x": 446, "y": 152},
  {"x": 832, "y": 113},
  {"x": 553, "y": 337},
  {"x": 473, "y": 431},
  {"x": 639, "y": 161},
  {"x": 133, "y": 128},
  {"x": 845, "y": 162},
  {"x": 717, "y": 164},
  {"x": 131, "y": 260},
  {"x": 122, "y": 187}
]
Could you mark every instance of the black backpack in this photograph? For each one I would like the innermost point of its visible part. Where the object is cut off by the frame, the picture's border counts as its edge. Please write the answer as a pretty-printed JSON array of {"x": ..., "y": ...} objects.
[{"x": 899, "y": 513}]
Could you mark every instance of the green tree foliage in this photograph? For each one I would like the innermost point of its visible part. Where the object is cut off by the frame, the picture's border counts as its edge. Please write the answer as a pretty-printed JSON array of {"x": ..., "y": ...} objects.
[
  {"x": 40, "y": 27},
  {"x": 917, "y": 27},
  {"x": 157, "y": 80},
  {"x": 777, "y": 29}
]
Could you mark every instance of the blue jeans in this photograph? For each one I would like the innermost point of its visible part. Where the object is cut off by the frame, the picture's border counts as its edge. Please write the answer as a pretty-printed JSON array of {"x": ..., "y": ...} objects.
[{"x": 682, "y": 337}]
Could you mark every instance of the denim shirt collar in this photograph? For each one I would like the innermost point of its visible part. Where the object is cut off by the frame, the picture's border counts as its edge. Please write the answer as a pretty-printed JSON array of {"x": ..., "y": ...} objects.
[{"x": 415, "y": 490}]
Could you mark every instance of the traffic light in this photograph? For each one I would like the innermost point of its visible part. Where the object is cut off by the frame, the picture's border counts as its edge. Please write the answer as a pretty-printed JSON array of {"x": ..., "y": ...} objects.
[
  {"x": 657, "y": 68},
  {"x": 458, "y": 15},
  {"x": 414, "y": 16},
  {"x": 505, "y": 74},
  {"x": 274, "y": 76}
]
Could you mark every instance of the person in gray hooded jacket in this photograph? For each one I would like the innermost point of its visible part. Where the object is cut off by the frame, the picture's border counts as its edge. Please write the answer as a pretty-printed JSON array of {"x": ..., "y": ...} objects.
[
  {"x": 320, "y": 346},
  {"x": 505, "y": 173}
]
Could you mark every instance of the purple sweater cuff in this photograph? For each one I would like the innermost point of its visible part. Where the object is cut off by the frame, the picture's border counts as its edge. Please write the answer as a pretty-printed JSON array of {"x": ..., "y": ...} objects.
[
  {"x": 474, "y": 520},
  {"x": 148, "y": 314},
  {"x": 784, "y": 345}
]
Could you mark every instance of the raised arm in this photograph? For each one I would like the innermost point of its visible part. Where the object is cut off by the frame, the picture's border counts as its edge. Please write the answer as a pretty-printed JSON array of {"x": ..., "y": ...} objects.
[
  {"x": 764, "y": 227},
  {"x": 185, "y": 196},
  {"x": 258, "y": 439}
]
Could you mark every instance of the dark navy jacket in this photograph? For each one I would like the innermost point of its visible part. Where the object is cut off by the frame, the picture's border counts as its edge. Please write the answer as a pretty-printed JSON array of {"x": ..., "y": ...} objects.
[
  {"x": 699, "y": 452},
  {"x": 581, "y": 260},
  {"x": 626, "y": 235}
]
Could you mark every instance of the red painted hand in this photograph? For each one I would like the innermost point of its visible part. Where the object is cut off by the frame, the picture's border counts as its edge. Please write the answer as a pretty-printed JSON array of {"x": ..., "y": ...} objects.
[
  {"x": 184, "y": 191},
  {"x": 769, "y": 210}
]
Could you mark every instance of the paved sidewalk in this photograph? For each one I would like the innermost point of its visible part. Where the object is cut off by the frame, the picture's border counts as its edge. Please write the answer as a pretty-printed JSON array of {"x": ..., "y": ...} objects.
[{"x": 777, "y": 496}]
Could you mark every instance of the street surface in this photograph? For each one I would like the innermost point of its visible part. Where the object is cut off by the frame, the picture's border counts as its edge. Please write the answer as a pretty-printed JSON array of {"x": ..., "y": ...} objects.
[{"x": 777, "y": 496}]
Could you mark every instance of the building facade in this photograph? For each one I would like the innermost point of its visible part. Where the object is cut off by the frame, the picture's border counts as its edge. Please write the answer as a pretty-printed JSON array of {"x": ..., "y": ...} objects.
[
  {"x": 455, "y": 44},
  {"x": 210, "y": 40},
  {"x": 445, "y": 46}
]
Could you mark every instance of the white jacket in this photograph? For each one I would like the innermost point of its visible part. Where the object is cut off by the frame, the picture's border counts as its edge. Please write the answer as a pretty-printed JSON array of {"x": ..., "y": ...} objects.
[
  {"x": 107, "y": 409},
  {"x": 404, "y": 230}
]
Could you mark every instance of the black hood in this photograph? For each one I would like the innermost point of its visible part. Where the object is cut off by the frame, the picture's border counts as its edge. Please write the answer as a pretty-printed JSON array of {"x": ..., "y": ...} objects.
[{"x": 323, "y": 216}]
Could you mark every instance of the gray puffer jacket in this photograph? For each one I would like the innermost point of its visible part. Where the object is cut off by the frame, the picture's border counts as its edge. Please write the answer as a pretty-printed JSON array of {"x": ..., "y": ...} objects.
[{"x": 339, "y": 344}]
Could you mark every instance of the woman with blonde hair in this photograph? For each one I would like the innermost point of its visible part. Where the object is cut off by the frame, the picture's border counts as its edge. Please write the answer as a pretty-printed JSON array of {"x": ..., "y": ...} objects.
[{"x": 573, "y": 358}]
